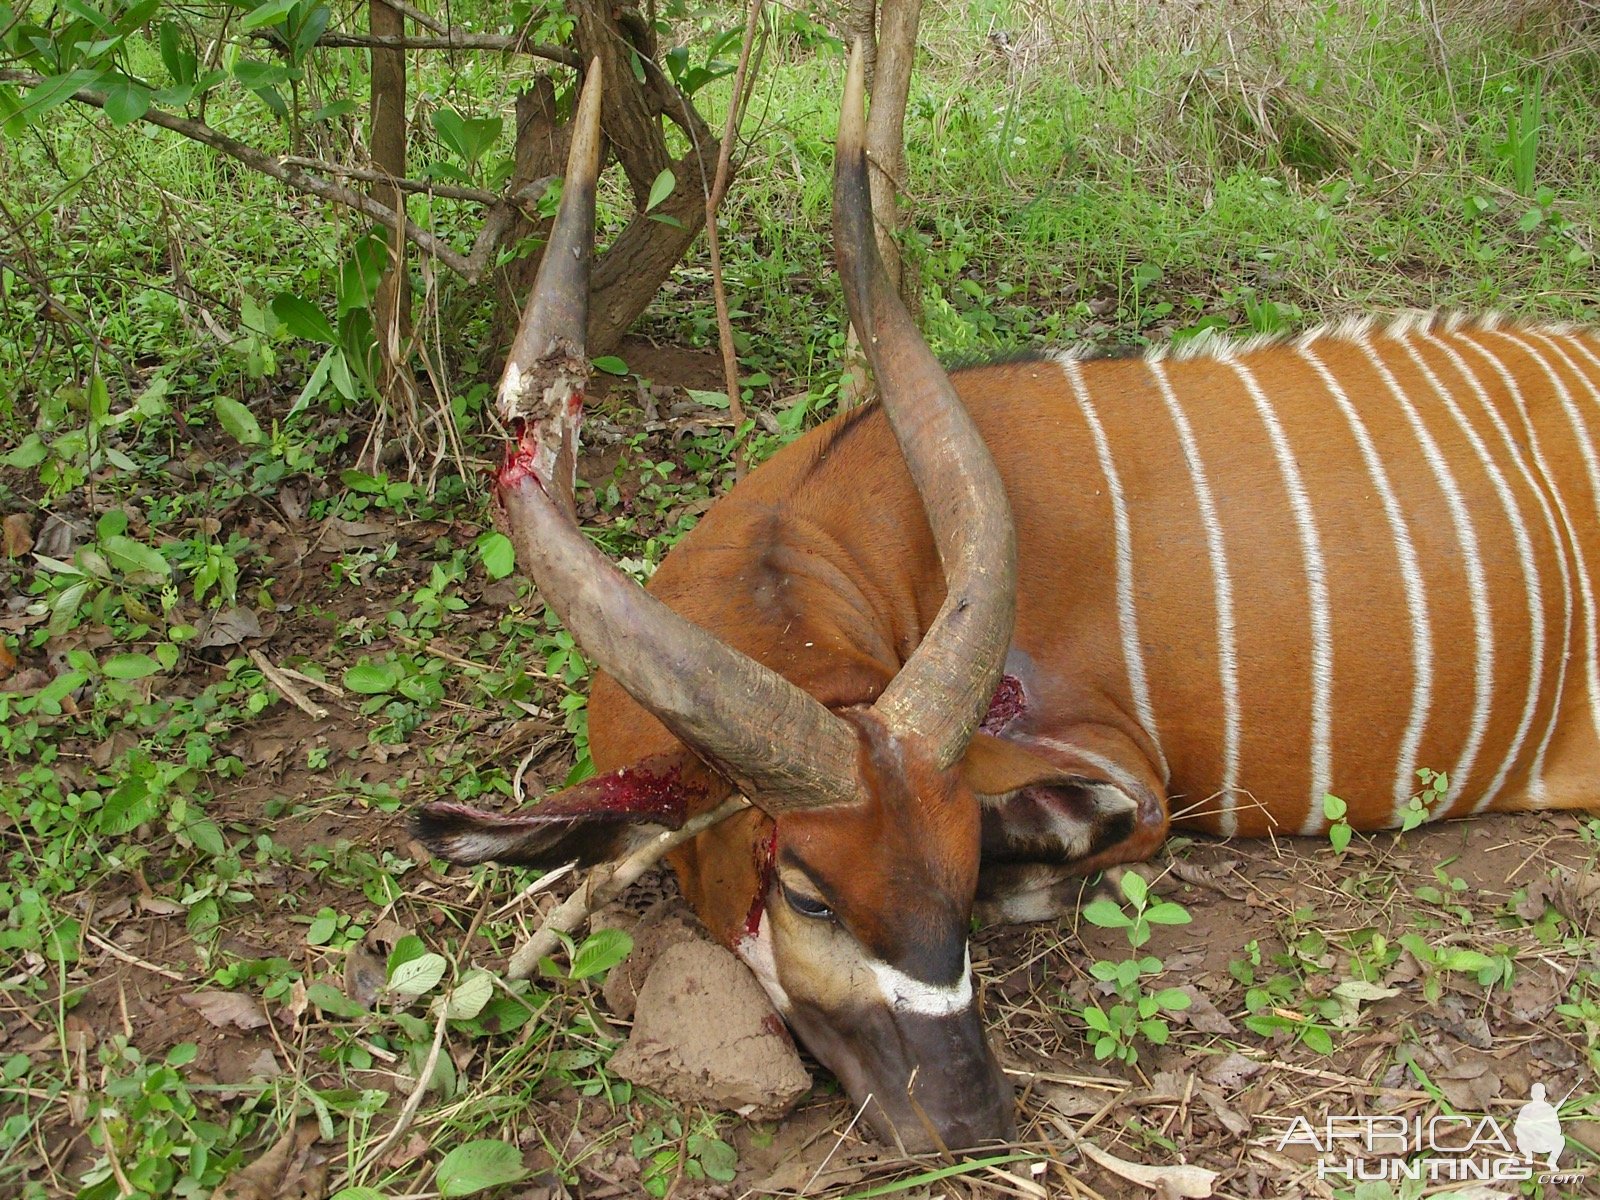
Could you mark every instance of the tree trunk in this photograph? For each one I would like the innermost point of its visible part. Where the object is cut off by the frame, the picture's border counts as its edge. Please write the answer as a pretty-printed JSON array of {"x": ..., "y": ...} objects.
[{"x": 391, "y": 309}]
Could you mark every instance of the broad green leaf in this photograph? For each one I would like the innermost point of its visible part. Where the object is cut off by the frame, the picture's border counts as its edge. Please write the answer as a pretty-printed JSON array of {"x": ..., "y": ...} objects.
[
  {"x": 600, "y": 952},
  {"x": 478, "y": 1165},
  {"x": 238, "y": 420},
  {"x": 372, "y": 679},
  {"x": 331, "y": 1000},
  {"x": 467, "y": 998},
  {"x": 1174, "y": 999},
  {"x": 1317, "y": 1038},
  {"x": 611, "y": 365},
  {"x": 406, "y": 949},
  {"x": 29, "y": 452},
  {"x": 129, "y": 666},
  {"x": 418, "y": 976},
  {"x": 44, "y": 96},
  {"x": 129, "y": 806},
  {"x": 207, "y": 838},
  {"x": 270, "y": 13},
  {"x": 1134, "y": 887},
  {"x": 126, "y": 100},
  {"x": 303, "y": 319},
  {"x": 1107, "y": 914},
  {"x": 131, "y": 557},
  {"x": 498, "y": 556},
  {"x": 1334, "y": 808},
  {"x": 661, "y": 188},
  {"x": 1339, "y": 837},
  {"x": 1167, "y": 913}
]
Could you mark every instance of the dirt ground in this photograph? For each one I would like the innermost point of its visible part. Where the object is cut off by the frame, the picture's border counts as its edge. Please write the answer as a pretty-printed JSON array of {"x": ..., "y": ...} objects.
[{"x": 1294, "y": 921}]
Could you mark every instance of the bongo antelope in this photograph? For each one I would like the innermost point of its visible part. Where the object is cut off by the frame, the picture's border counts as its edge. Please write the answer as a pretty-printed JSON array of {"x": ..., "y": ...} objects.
[{"x": 999, "y": 629}]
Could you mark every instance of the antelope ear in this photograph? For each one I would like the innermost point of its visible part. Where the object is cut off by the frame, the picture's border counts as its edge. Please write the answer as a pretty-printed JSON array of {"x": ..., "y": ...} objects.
[
  {"x": 598, "y": 820},
  {"x": 995, "y": 767}
]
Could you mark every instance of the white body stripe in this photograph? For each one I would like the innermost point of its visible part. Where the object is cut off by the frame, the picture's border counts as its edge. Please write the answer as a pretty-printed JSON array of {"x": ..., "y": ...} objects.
[
  {"x": 1530, "y": 570},
  {"x": 1477, "y": 584},
  {"x": 1411, "y": 581},
  {"x": 1317, "y": 595},
  {"x": 1553, "y": 529},
  {"x": 1127, "y": 610},
  {"x": 756, "y": 951},
  {"x": 1586, "y": 448},
  {"x": 1227, "y": 645}
]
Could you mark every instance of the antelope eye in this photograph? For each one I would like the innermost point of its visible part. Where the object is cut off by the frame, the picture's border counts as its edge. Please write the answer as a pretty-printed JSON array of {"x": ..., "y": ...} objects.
[{"x": 807, "y": 906}]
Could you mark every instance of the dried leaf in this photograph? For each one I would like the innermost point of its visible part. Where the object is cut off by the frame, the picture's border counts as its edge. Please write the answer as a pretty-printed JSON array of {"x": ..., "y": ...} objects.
[
  {"x": 223, "y": 1009},
  {"x": 229, "y": 627},
  {"x": 364, "y": 975},
  {"x": 292, "y": 1169},
  {"x": 18, "y": 535}
]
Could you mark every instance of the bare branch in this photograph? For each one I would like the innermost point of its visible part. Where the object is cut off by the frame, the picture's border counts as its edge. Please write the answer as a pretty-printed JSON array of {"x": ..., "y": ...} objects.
[
  {"x": 730, "y": 359},
  {"x": 449, "y": 40},
  {"x": 606, "y": 882}
]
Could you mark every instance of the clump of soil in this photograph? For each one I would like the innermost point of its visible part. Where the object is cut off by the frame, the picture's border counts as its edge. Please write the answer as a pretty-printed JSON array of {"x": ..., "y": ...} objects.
[{"x": 705, "y": 1033}]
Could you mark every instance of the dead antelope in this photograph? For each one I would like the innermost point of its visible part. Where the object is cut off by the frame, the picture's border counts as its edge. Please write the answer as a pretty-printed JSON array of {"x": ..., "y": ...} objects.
[{"x": 963, "y": 645}]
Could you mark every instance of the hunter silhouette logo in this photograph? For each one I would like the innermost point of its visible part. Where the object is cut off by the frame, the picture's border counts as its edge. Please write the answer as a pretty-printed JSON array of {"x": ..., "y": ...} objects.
[{"x": 1538, "y": 1129}]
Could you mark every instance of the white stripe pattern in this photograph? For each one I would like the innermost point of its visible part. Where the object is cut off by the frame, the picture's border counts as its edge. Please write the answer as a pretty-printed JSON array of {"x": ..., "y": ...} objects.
[
  {"x": 1227, "y": 646},
  {"x": 1127, "y": 610},
  {"x": 1580, "y": 436},
  {"x": 1530, "y": 570},
  {"x": 1553, "y": 530},
  {"x": 1477, "y": 584},
  {"x": 1411, "y": 579},
  {"x": 1317, "y": 595}
]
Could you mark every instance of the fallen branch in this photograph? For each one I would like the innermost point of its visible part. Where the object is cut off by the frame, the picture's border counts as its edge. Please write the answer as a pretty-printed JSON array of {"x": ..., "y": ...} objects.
[
  {"x": 286, "y": 687},
  {"x": 607, "y": 882}
]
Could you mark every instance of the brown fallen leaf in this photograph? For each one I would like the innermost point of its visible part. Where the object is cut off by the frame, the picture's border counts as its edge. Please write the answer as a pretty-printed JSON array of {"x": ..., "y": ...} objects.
[
  {"x": 18, "y": 535},
  {"x": 364, "y": 975},
  {"x": 223, "y": 1009},
  {"x": 8, "y": 661},
  {"x": 292, "y": 1169}
]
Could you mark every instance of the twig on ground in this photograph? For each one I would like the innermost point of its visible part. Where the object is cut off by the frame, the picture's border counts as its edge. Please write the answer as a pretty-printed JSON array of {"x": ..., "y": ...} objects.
[
  {"x": 605, "y": 883},
  {"x": 286, "y": 687}
]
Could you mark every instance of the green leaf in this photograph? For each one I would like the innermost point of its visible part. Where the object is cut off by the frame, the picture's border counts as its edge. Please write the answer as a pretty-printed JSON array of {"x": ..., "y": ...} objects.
[
  {"x": 44, "y": 96},
  {"x": 129, "y": 806},
  {"x": 29, "y": 452},
  {"x": 407, "y": 949},
  {"x": 372, "y": 679},
  {"x": 1317, "y": 1038},
  {"x": 478, "y": 1165},
  {"x": 238, "y": 420},
  {"x": 469, "y": 137},
  {"x": 720, "y": 1160},
  {"x": 498, "y": 556},
  {"x": 1167, "y": 913},
  {"x": 418, "y": 976},
  {"x": 661, "y": 188},
  {"x": 129, "y": 666},
  {"x": 467, "y": 998},
  {"x": 331, "y": 1000},
  {"x": 1174, "y": 999},
  {"x": 1333, "y": 808},
  {"x": 600, "y": 952},
  {"x": 611, "y": 365},
  {"x": 1135, "y": 888},
  {"x": 270, "y": 13},
  {"x": 1096, "y": 1019},
  {"x": 1107, "y": 914},
  {"x": 323, "y": 926},
  {"x": 132, "y": 558},
  {"x": 359, "y": 1193},
  {"x": 1339, "y": 837},
  {"x": 207, "y": 838},
  {"x": 126, "y": 100},
  {"x": 303, "y": 319}
]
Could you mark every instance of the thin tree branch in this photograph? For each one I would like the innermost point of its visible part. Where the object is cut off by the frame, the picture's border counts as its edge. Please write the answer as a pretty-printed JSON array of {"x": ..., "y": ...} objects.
[
  {"x": 450, "y": 40},
  {"x": 444, "y": 191},
  {"x": 719, "y": 189},
  {"x": 607, "y": 881}
]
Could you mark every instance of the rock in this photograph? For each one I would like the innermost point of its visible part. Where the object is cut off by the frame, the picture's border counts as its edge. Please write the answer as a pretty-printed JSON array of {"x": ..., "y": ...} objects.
[
  {"x": 665, "y": 924},
  {"x": 705, "y": 1033}
]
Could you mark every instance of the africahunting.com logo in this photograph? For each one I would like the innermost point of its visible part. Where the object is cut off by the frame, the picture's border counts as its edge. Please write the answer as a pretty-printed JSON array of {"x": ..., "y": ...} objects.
[{"x": 1447, "y": 1148}]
